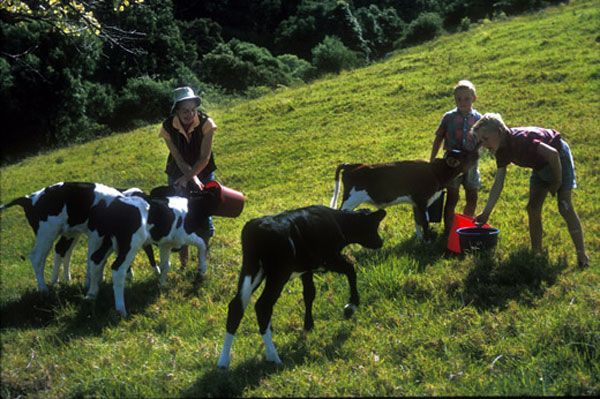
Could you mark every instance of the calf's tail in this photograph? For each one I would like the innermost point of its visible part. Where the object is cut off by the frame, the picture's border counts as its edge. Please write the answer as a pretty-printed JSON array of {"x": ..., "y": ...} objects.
[
  {"x": 336, "y": 189},
  {"x": 24, "y": 202}
]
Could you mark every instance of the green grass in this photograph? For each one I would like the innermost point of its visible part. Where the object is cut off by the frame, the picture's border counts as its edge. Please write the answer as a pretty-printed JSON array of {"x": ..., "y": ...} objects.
[{"x": 512, "y": 323}]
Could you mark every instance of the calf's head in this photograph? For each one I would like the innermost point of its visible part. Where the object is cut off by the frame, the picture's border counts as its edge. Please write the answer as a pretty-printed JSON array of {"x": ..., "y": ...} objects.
[
  {"x": 462, "y": 160},
  {"x": 361, "y": 227}
]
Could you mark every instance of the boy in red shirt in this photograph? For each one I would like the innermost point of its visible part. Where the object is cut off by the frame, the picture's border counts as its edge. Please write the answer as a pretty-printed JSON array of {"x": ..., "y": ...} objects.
[{"x": 550, "y": 157}]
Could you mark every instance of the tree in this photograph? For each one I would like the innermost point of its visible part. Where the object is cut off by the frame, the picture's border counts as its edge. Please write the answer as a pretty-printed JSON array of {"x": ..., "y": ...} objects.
[
  {"x": 342, "y": 23},
  {"x": 158, "y": 53},
  {"x": 332, "y": 56},
  {"x": 380, "y": 28},
  {"x": 204, "y": 33},
  {"x": 69, "y": 17},
  {"x": 313, "y": 21},
  {"x": 238, "y": 65}
]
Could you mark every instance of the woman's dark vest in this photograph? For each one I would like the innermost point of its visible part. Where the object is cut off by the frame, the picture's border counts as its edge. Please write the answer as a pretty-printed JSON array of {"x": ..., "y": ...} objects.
[{"x": 189, "y": 151}]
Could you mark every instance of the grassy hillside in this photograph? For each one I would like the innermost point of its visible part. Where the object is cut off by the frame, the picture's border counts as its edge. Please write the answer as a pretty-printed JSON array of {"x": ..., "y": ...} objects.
[{"x": 509, "y": 324}]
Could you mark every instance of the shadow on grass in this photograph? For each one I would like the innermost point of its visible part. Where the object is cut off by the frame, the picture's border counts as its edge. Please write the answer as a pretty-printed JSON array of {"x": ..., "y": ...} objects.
[
  {"x": 524, "y": 276},
  {"x": 66, "y": 306},
  {"x": 249, "y": 374},
  {"x": 423, "y": 253}
]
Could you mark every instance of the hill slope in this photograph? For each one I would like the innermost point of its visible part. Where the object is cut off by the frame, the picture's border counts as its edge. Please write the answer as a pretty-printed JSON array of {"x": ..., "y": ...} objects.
[{"x": 428, "y": 325}]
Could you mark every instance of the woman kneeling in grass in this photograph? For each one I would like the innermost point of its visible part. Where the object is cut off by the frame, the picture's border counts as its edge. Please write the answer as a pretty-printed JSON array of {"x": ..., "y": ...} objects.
[{"x": 549, "y": 156}]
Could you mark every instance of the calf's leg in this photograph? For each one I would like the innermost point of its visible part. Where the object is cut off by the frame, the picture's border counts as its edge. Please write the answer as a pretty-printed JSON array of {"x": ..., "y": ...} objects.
[
  {"x": 308, "y": 293},
  {"x": 202, "y": 249},
  {"x": 150, "y": 254},
  {"x": 119, "y": 269},
  {"x": 422, "y": 225},
  {"x": 63, "y": 250},
  {"x": 343, "y": 266},
  {"x": 165, "y": 263},
  {"x": 45, "y": 237},
  {"x": 248, "y": 283},
  {"x": 264, "y": 310},
  {"x": 98, "y": 251}
]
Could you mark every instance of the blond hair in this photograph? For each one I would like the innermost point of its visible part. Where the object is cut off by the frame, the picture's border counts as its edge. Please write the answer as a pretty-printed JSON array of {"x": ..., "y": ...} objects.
[
  {"x": 465, "y": 84},
  {"x": 490, "y": 121}
]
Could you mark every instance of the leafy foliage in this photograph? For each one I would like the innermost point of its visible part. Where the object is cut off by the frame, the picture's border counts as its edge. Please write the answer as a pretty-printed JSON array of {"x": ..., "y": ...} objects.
[
  {"x": 64, "y": 59},
  {"x": 427, "y": 26},
  {"x": 380, "y": 28},
  {"x": 511, "y": 324},
  {"x": 332, "y": 56}
]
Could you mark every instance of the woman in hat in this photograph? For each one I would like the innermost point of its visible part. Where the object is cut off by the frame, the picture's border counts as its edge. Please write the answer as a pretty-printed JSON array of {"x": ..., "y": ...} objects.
[{"x": 188, "y": 133}]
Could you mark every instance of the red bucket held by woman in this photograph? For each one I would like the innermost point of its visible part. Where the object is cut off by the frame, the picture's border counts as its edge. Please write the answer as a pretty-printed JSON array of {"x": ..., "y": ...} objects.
[{"x": 231, "y": 202}]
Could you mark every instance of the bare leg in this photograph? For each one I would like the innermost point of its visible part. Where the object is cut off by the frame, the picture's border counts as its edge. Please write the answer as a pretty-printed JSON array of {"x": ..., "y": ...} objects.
[
  {"x": 471, "y": 202},
  {"x": 534, "y": 211},
  {"x": 565, "y": 207}
]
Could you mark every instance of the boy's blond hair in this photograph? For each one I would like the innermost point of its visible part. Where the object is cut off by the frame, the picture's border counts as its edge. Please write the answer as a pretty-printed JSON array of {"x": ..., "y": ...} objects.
[
  {"x": 465, "y": 84},
  {"x": 490, "y": 121}
]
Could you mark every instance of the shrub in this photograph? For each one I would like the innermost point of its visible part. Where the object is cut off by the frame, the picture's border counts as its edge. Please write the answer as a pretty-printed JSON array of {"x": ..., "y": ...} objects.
[
  {"x": 426, "y": 27},
  {"x": 238, "y": 65},
  {"x": 142, "y": 99},
  {"x": 296, "y": 67},
  {"x": 332, "y": 56},
  {"x": 465, "y": 24}
]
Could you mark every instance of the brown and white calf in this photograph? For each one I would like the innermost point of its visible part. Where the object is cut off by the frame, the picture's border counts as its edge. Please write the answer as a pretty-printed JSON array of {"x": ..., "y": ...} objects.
[
  {"x": 296, "y": 243},
  {"x": 415, "y": 182}
]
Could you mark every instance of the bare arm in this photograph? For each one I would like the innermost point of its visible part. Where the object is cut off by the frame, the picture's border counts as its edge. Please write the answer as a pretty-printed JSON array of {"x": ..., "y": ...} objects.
[
  {"x": 495, "y": 191},
  {"x": 437, "y": 142},
  {"x": 183, "y": 166},
  {"x": 205, "y": 152}
]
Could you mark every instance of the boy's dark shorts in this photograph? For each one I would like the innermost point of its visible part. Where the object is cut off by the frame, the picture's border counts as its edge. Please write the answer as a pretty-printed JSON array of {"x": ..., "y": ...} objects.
[{"x": 544, "y": 177}]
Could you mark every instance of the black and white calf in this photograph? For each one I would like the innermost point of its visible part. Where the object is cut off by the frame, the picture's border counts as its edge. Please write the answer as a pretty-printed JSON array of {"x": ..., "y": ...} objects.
[
  {"x": 63, "y": 250},
  {"x": 62, "y": 209},
  {"x": 175, "y": 221},
  {"x": 168, "y": 222},
  {"x": 415, "y": 182},
  {"x": 114, "y": 221},
  {"x": 296, "y": 243}
]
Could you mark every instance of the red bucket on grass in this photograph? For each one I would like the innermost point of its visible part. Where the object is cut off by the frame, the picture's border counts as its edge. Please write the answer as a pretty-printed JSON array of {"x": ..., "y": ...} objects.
[
  {"x": 459, "y": 222},
  {"x": 231, "y": 202}
]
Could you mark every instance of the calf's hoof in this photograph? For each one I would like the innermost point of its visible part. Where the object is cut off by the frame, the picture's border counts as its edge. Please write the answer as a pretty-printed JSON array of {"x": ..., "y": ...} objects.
[
  {"x": 274, "y": 360},
  {"x": 349, "y": 310},
  {"x": 309, "y": 325}
]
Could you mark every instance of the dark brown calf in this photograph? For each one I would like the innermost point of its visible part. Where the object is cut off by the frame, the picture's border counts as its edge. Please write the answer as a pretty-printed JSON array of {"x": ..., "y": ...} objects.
[{"x": 418, "y": 183}]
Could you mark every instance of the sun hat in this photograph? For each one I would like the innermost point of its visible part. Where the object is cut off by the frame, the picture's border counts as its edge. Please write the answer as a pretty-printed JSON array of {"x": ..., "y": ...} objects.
[{"x": 182, "y": 94}]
